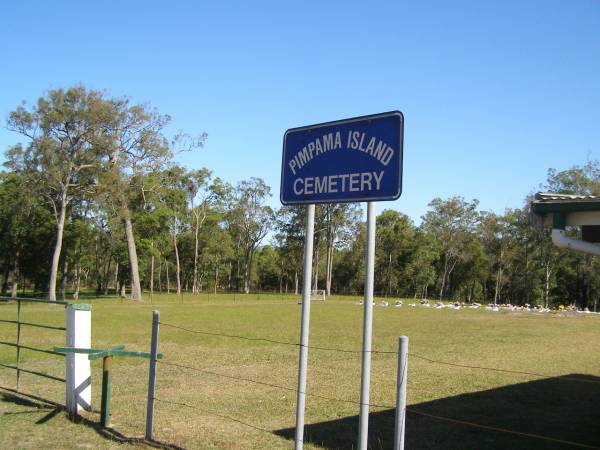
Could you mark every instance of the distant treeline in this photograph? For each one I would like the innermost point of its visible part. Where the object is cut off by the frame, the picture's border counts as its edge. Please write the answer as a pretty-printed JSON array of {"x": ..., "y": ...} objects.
[{"x": 92, "y": 198}]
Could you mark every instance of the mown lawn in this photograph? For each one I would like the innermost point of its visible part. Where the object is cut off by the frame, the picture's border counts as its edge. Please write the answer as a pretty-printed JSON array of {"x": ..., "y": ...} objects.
[{"x": 227, "y": 412}]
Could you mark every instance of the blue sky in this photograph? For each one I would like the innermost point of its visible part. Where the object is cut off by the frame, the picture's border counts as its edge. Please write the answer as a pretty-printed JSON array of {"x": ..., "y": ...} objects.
[{"x": 493, "y": 93}]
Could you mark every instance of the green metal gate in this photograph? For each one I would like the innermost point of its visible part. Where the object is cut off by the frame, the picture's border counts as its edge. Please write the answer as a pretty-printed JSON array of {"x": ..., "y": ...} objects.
[{"x": 21, "y": 325}]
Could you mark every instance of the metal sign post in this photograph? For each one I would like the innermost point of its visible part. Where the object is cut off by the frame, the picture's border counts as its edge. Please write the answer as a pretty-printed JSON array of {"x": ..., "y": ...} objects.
[
  {"x": 304, "y": 327},
  {"x": 350, "y": 160},
  {"x": 365, "y": 372}
]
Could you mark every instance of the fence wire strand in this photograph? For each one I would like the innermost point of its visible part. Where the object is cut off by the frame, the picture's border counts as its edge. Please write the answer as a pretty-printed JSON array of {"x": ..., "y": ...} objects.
[
  {"x": 381, "y": 352},
  {"x": 273, "y": 341},
  {"x": 370, "y": 405},
  {"x": 500, "y": 430},
  {"x": 212, "y": 413},
  {"x": 494, "y": 369}
]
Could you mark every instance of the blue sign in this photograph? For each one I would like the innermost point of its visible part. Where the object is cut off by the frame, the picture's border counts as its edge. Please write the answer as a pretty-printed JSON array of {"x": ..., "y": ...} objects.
[{"x": 352, "y": 160}]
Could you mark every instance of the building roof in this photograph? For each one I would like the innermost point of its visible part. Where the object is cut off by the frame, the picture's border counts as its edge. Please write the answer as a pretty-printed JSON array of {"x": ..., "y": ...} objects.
[
  {"x": 548, "y": 202},
  {"x": 551, "y": 196}
]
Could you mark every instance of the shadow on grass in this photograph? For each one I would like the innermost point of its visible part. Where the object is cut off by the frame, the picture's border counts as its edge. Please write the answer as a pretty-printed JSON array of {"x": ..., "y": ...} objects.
[
  {"x": 42, "y": 405},
  {"x": 565, "y": 408}
]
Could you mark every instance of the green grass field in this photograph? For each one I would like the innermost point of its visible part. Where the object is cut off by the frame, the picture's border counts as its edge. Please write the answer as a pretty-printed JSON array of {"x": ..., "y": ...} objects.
[{"x": 227, "y": 412}]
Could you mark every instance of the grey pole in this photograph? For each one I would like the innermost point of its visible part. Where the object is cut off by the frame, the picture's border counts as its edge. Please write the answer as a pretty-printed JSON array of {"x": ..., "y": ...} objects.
[
  {"x": 304, "y": 327},
  {"x": 365, "y": 372},
  {"x": 152, "y": 376},
  {"x": 401, "y": 393}
]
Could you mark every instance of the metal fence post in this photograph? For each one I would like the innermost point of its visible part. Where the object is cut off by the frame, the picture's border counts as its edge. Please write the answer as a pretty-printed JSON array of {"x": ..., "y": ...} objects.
[
  {"x": 401, "y": 393},
  {"x": 18, "y": 342},
  {"x": 106, "y": 388},
  {"x": 152, "y": 375}
]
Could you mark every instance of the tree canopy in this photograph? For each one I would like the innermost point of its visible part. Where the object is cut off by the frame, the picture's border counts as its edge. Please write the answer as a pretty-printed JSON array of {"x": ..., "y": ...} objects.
[{"x": 91, "y": 198}]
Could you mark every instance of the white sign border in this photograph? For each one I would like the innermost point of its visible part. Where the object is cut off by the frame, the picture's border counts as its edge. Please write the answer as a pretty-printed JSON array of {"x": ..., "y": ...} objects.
[{"x": 342, "y": 122}]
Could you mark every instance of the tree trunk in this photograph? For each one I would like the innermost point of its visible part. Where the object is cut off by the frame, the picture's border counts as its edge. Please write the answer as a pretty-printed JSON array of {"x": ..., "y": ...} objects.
[
  {"x": 316, "y": 279},
  {"x": 444, "y": 275},
  {"x": 201, "y": 277},
  {"x": 117, "y": 278},
  {"x": 296, "y": 281},
  {"x": 77, "y": 282},
  {"x": 167, "y": 273},
  {"x": 195, "y": 276},
  {"x": 106, "y": 276},
  {"x": 5, "y": 276},
  {"x": 498, "y": 281},
  {"x": 159, "y": 274},
  {"x": 547, "y": 287},
  {"x": 64, "y": 277},
  {"x": 136, "y": 289},
  {"x": 60, "y": 226},
  {"x": 216, "y": 275},
  {"x": 152, "y": 275},
  {"x": 15, "y": 276},
  {"x": 389, "y": 276},
  {"x": 329, "y": 270},
  {"x": 177, "y": 266},
  {"x": 229, "y": 274},
  {"x": 247, "y": 267}
]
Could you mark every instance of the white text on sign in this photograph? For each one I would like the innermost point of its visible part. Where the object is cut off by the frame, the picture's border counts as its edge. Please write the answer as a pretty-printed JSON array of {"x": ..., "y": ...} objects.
[
  {"x": 347, "y": 182},
  {"x": 355, "y": 140}
]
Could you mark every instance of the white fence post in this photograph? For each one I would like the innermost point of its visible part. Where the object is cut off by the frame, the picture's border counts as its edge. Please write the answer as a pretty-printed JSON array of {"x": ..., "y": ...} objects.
[
  {"x": 78, "y": 373},
  {"x": 401, "y": 393}
]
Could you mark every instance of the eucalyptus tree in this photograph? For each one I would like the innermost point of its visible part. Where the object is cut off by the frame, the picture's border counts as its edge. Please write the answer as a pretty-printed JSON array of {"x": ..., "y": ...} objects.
[
  {"x": 496, "y": 237},
  {"x": 420, "y": 269},
  {"x": 583, "y": 179},
  {"x": 174, "y": 197},
  {"x": 348, "y": 273},
  {"x": 17, "y": 204},
  {"x": 105, "y": 245},
  {"x": 452, "y": 222},
  {"x": 204, "y": 194},
  {"x": 135, "y": 146},
  {"x": 290, "y": 224},
  {"x": 60, "y": 159},
  {"x": 394, "y": 242},
  {"x": 199, "y": 196},
  {"x": 217, "y": 248},
  {"x": 337, "y": 220},
  {"x": 251, "y": 219}
]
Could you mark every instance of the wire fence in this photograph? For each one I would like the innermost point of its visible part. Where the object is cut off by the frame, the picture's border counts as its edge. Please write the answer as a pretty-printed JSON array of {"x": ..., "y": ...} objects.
[
  {"x": 379, "y": 352},
  {"x": 382, "y": 406}
]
